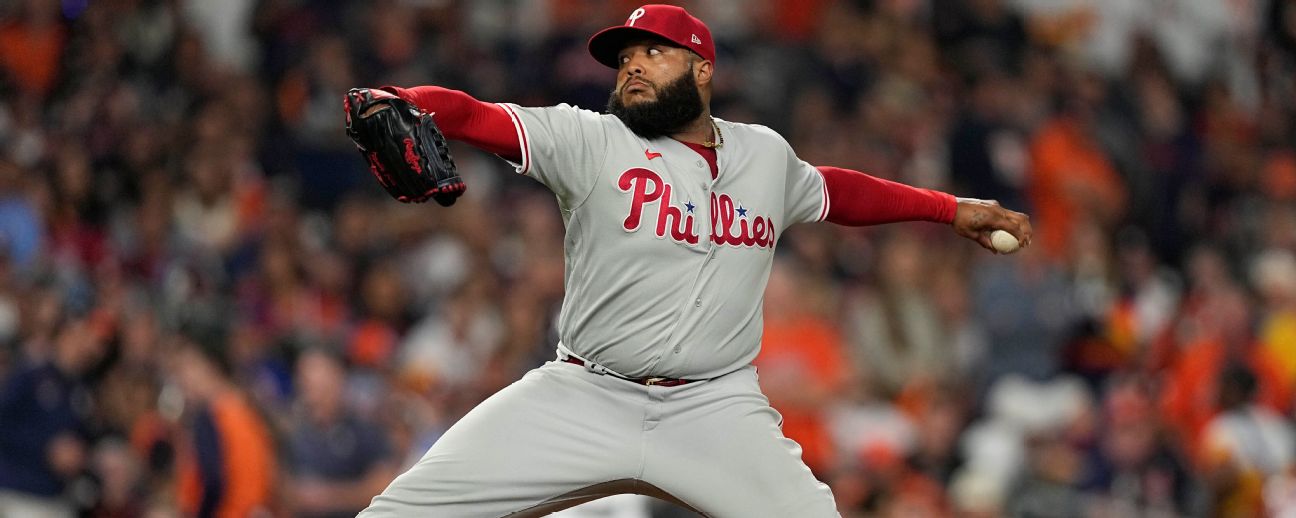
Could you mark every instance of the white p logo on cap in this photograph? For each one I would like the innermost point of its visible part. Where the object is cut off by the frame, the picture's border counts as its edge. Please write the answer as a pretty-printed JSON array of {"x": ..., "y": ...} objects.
[{"x": 637, "y": 14}]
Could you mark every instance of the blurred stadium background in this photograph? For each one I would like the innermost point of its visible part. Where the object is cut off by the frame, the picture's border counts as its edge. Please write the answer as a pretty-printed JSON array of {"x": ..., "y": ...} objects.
[{"x": 195, "y": 264}]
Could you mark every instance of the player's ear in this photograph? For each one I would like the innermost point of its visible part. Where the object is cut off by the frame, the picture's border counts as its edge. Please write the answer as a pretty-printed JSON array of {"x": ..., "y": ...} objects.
[{"x": 702, "y": 70}]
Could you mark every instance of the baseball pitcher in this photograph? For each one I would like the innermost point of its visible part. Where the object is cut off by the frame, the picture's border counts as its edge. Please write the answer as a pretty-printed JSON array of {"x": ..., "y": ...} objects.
[{"x": 671, "y": 216}]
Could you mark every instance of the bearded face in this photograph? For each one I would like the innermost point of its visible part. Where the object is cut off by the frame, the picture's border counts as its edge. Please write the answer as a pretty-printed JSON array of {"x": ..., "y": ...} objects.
[{"x": 674, "y": 105}]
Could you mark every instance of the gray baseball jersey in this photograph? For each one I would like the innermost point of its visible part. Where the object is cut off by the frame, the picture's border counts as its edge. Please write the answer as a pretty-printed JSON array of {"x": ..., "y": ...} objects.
[
  {"x": 665, "y": 267},
  {"x": 666, "y": 270}
]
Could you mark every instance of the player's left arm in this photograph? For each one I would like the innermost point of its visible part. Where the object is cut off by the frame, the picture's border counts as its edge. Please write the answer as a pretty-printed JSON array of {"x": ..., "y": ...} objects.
[
  {"x": 486, "y": 126},
  {"x": 856, "y": 199}
]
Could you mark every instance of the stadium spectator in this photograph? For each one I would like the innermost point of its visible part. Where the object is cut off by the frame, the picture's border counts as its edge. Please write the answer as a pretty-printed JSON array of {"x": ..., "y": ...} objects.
[
  {"x": 226, "y": 459},
  {"x": 43, "y": 403},
  {"x": 337, "y": 459}
]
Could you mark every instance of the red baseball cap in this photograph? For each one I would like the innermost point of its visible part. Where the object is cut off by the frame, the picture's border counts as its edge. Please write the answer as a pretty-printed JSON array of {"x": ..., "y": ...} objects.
[{"x": 666, "y": 21}]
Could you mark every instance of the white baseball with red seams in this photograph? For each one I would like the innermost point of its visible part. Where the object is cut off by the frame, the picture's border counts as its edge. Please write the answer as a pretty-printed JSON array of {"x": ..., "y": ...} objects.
[{"x": 1003, "y": 242}]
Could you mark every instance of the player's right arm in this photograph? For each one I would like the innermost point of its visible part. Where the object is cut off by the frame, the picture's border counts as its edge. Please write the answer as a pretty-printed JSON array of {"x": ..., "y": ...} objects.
[{"x": 853, "y": 198}]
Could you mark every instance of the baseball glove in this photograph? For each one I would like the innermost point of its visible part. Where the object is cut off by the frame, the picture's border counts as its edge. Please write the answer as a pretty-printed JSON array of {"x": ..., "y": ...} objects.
[{"x": 405, "y": 150}]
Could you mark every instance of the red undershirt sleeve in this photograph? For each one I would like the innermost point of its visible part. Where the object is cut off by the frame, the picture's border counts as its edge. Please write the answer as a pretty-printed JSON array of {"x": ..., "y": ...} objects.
[
  {"x": 857, "y": 199},
  {"x": 483, "y": 125}
]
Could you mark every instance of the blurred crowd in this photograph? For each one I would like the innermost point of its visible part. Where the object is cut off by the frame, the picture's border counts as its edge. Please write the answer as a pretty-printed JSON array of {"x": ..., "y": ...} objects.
[{"x": 208, "y": 308}]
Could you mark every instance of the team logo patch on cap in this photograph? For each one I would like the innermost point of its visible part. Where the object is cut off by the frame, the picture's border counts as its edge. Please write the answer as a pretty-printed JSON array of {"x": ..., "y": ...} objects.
[{"x": 635, "y": 16}]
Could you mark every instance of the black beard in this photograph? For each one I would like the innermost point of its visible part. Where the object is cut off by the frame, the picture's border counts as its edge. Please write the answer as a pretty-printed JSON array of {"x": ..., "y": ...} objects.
[{"x": 678, "y": 104}]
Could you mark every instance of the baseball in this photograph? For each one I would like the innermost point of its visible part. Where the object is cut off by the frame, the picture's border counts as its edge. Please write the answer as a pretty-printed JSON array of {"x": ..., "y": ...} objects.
[{"x": 1004, "y": 242}]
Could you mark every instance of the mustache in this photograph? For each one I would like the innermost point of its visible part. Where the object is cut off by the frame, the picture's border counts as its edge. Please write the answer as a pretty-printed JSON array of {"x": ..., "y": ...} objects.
[{"x": 651, "y": 85}]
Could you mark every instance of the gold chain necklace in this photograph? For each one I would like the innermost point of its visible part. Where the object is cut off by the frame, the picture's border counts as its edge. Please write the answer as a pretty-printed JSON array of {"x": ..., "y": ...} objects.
[{"x": 719, "y": 137}]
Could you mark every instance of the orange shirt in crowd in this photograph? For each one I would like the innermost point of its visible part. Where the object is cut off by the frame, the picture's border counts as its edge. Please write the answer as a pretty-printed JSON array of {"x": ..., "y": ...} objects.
[
  {"x": 31, "y": 55},
  {"x": 1069, "y": 178},
  {"x": 1278, "y": 337},
  {"x": 372, "y": 343},
  {"x": 1278, "y": 175},
  {"x": 803, "y": 355},
  {"x": 794, "y": 20},
  {"x": 1189, "y": 400},
  {"x": 248, "y": 459}
]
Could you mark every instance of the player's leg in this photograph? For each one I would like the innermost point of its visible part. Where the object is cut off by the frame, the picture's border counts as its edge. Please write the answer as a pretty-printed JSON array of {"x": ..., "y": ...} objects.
[
  {"x": 556, "y": 438},
  {"x": 719, "y": 448}
]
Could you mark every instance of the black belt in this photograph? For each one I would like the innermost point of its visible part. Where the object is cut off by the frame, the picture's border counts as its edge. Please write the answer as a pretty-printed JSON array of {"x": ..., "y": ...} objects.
[{"x": 652, "y": 382}]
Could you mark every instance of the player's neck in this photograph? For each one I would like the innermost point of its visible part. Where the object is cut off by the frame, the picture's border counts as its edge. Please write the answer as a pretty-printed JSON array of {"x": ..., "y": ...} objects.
[{"x": 700, "y": 131}]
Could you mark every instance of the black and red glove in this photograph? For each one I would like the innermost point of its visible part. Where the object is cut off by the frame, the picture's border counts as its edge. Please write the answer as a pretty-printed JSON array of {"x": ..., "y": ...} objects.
[{"x": 405, "y": 150}]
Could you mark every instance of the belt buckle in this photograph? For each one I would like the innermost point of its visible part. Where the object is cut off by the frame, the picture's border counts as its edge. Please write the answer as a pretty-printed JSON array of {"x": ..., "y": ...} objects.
[{"x": 653, "y": 381}]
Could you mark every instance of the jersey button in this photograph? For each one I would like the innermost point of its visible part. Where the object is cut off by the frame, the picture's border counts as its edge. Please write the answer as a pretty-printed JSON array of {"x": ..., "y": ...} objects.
[
  {"x": 697, "y": 303},
  {"x": 699, "y": 163}
]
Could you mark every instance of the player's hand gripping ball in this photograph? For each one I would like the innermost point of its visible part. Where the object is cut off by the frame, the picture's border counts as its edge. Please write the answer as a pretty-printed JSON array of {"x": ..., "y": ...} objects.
[
  {"x": 992, "y": 226},
  {"x": 406, "y": 151}
]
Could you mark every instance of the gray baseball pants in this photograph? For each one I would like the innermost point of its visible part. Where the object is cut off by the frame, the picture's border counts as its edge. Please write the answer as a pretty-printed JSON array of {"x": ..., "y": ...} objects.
[{"x": 563, "y": 435}]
